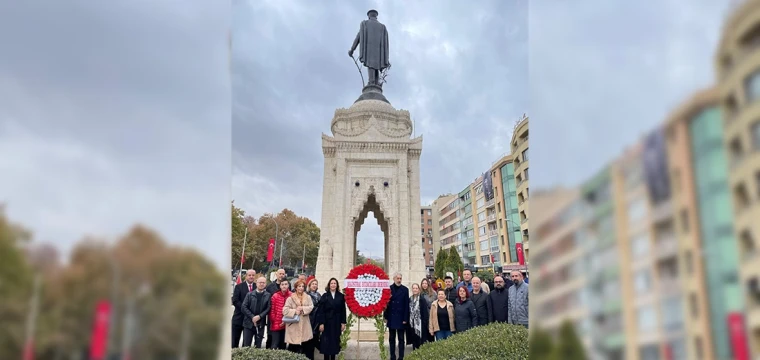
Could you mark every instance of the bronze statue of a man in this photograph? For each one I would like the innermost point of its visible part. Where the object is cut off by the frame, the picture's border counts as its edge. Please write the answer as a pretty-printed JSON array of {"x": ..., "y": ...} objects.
[{"x": 373, "y": 53}]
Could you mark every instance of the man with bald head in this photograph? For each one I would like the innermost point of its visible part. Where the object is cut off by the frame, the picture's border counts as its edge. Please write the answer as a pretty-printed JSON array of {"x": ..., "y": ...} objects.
[
  {"x": 518, "y": 300},
  {"x": 238, "y": 296},
  {"x": 480, "y": 300}
]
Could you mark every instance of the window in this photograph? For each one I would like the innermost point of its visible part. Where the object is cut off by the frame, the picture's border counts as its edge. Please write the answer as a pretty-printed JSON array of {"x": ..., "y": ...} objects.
[
  {"x": 482, "y": 216},
  {"x": 698, "y": 348},
  {"x": 693, "y": 305},
  {"x": 525, "y": 155},
  {"x": 481, "y": 202},
  {"x": 422, "y": 231},
  {"x": 735, "y": 151},
  {"x": 672, "y": 313},
  {"x": 430, "y": 222},
  {"x": 685, "y": 220},
  {"x": 636, "y": 210},
  {"x": 689, "y": 261},
  {"x": 485, "y": 259},
  {"x": 484, "y": 245},
  {"x": 755, "y": 133},
  {"x": 752, "y": 87},
  {"x": 430, "y": 212},
  {"x": 482, "y": 230},
  {"x": 642, "y": 281},
  {"x": 741, "y": 197},
  {"x": 526, "y": 173},
  {"x": 646, "y": 318},
  {"x": 757, "y": 183},
  {"x": 430, "y": 241}
]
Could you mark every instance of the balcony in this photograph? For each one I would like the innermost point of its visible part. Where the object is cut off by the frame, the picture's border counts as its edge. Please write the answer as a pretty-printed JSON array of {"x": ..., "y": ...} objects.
[
  {"x": 491, "y": 218},
  {"x": 666, "y": 247},
  {"x": 662, "y": 211},
  {"x": 493, "y": 232},
  {"x": 669, "y": 285},
  {"x": 489, "y": 203}
]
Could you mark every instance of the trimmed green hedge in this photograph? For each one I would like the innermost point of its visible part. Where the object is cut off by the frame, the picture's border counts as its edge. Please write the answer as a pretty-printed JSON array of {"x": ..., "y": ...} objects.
[
  {"x": 493, "y": 341},
  {"x": 251, "y": 353}
]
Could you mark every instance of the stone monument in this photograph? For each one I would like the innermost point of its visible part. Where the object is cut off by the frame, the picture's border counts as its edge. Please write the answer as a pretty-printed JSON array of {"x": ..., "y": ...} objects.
[{"x": 371, "y": 164}]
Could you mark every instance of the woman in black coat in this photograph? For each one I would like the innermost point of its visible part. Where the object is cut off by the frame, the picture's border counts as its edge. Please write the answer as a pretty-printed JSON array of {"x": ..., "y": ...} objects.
[
  {"x": 419, "y": 310},
  {"x": 465, "y": 316},
  {"x": 332, "y": 319}
]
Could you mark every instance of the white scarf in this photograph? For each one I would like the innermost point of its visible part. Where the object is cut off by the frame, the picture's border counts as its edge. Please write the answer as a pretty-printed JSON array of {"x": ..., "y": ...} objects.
[{"x": 414, "y": 306}]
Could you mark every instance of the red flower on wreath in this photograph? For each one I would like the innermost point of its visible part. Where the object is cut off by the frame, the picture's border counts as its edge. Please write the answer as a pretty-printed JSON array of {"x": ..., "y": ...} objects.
[{"x": 368, "y": 271}]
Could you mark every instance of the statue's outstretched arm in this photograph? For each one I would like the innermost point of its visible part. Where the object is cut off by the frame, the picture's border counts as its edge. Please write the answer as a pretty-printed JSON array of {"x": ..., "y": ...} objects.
[{"x": 356, "y": 43}]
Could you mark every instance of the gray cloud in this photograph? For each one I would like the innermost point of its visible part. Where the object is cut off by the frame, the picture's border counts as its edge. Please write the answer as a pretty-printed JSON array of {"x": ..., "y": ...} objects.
[
  {"x": 461, "y": 71},
  {"x": 113, "y": 113},
  {"x": 603, "y": 73}
]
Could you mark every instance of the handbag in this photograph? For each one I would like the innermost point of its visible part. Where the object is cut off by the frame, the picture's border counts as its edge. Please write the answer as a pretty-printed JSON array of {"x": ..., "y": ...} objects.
[{"x": 291, "y": 320}]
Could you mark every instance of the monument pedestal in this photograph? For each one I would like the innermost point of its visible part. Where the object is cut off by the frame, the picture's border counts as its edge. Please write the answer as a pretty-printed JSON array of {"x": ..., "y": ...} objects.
[{"x": 371, "y": 164}]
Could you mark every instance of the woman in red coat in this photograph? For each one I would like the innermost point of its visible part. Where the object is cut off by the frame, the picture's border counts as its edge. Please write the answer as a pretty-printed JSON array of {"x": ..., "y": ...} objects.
[{"x": 276, "y": 326}]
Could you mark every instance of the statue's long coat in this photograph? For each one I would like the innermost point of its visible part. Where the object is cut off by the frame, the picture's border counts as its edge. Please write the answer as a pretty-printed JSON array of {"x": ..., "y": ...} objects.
[{"x": 373, "y": 44}]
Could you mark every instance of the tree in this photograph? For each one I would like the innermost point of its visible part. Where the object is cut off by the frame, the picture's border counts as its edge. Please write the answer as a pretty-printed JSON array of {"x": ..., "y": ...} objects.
[
  {"x": 441, "y": 261},
  {"x": 542, "y": 345},
  {"x": 293, "y": 234},
  {"x": 454, "y": 263},
  {"x": 238, "y": 232},
  {"x": 16, "y": 280},
  {"x": 379, "y": 263},
  {"x": 360, "y": 259},
  {"x": 569, "y": 346},
  {"x": 485, "y": 275}
]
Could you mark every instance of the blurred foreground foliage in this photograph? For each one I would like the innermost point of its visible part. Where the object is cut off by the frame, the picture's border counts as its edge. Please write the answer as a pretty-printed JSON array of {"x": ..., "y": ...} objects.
[
  {"x": 568, "y": 345},
  {"x": 170, "y": 289}
]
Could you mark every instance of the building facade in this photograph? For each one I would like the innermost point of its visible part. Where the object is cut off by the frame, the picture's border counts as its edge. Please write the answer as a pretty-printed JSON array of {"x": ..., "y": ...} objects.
[
  {"x": 738, "y": 84},
  {"x": 520, "y": 160},
  {"x": 426, "y": 229}
]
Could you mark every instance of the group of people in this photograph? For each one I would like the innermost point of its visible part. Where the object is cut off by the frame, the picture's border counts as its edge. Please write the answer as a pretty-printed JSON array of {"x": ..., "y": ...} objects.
[{"x": 300, "y": 319}]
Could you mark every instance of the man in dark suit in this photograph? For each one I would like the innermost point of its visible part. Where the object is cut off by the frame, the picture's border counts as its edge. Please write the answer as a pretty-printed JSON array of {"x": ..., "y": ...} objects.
[
  {"x": 396, "y": 316},
  {"x": 256, "y": 307},
  {"x": 238, "y": 296}
]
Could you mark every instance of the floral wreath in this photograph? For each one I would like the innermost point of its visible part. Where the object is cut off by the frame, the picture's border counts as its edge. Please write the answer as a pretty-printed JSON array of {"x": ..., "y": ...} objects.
[{"x": 367, "y": 303}]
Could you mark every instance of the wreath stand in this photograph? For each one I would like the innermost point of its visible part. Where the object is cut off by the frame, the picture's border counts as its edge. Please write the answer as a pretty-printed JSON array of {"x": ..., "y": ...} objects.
[{"x": 367, "y": 290}]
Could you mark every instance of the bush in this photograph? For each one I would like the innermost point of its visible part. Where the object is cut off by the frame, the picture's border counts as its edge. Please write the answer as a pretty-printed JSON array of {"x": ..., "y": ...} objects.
[
  {"x": 493, "y": 341},
  {"x": 251, "y": 353},
  {"x": 541, "y": 345}
]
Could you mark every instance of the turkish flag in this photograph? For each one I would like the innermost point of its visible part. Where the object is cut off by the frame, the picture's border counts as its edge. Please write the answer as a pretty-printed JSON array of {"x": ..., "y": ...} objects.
[
  {"x": 270, "y": 251},
  {"x": 520, "y": 255},
  {"x": 242, "y": 259},
  {"x": 238, "y": 279},
  {"x": 100, "y": 330},
  {"x": 737, "y": 335}
]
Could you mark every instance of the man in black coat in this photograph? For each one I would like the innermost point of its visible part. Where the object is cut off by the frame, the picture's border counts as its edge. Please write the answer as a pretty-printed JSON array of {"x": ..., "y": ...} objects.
[
  {"x": 480, "y": 300},
  {"x": 498, "y": 302},
  {"x": 256, "y": 307},
  {"x": 450, "y": 291},
  {"x": 238, "y": 296},
  {"x": 397, "y": 316}
]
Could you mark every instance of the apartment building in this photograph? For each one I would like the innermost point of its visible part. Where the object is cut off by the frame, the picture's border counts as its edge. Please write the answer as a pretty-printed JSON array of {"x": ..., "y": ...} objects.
[
  {"x": 520, "y": 159},
  {"x": 560, "y": 271},
  {"x": 738, "y": 84}
]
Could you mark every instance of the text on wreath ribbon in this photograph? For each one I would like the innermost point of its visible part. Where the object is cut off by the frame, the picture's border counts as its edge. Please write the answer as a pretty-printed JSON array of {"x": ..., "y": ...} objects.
[{"x": 366, "y": 284}]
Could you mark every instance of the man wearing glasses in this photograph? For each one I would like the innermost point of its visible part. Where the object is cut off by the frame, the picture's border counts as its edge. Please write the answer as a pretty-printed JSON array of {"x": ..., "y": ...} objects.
[{"x": 498, "y": 302}]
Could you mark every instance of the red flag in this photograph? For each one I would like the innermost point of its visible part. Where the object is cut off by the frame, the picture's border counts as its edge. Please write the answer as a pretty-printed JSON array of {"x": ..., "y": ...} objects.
[
  {"x": 242, "y": 259},
  {"x": 100, "y": 330},
  {"x": 520, "y": 255},
  {"x": 737, "y": 334},
  {"x": 29, "y": 350},
  {"x": 492, "y": 259},
  {"x": 238, "y": 279},
  {"x": 270, "y": 252}
]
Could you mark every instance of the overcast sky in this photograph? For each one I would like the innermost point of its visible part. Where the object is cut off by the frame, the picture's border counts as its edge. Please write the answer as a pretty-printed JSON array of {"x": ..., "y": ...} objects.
[
  {"x": 601, "y": 74},
  {"x": 118, "y": 112},
  {"x": 113, "y": 113},
  {"x": 291, "y": 71},
  {"x": 604, "y": 73}
]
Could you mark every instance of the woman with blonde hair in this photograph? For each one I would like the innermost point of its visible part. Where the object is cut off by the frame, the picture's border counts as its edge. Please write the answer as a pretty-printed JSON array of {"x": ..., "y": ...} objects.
[{"x": 295, "y": 315}]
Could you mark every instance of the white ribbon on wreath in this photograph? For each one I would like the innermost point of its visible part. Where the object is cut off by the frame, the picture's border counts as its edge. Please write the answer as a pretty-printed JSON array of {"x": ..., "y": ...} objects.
[{"x": 366, "y": 297}]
